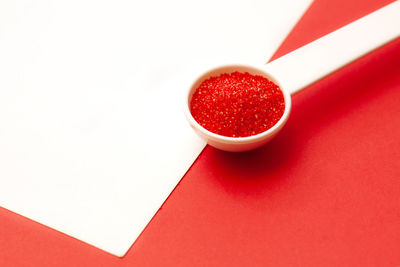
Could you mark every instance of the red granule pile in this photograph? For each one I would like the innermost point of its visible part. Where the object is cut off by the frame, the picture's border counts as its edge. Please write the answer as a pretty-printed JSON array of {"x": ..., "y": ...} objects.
[{"x": 237, "y": 104}]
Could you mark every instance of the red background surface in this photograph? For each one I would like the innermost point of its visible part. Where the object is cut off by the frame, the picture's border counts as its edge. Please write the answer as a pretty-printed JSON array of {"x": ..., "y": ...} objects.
[{"x": 325, "y": 192}]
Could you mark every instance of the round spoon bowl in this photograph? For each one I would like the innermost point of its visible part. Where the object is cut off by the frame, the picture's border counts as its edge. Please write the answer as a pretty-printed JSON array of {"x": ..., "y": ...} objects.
[{"x": 236, "y": 144}]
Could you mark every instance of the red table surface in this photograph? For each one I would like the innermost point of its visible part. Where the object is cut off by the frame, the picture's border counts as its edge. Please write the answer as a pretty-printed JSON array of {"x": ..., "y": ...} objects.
[{"x": 325, "y": 192}]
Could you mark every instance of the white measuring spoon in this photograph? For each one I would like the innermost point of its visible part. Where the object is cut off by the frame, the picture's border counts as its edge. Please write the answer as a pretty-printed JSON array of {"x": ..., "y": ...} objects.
[{"x": 304, "y": 66}]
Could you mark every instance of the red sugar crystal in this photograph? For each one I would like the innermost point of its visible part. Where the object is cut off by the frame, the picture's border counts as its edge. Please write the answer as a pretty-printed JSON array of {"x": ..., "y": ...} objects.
[{"x": 237, "y": 104}]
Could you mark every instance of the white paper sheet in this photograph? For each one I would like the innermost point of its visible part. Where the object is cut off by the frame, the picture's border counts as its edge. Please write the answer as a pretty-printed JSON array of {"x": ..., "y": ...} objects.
[{"x": 92, "y": 133}]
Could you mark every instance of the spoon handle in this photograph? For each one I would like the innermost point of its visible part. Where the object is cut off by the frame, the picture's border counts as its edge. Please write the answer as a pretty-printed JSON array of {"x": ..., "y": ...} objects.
[{"x": 308, "y": 64}]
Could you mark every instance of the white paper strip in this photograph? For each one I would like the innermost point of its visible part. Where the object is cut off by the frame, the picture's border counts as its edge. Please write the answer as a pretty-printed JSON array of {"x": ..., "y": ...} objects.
[{"x": 315, "y": 60}]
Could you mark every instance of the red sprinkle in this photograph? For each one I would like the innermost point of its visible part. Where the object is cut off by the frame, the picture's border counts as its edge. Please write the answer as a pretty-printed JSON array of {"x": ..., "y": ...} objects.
[{"x": 237, "y": 104}]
